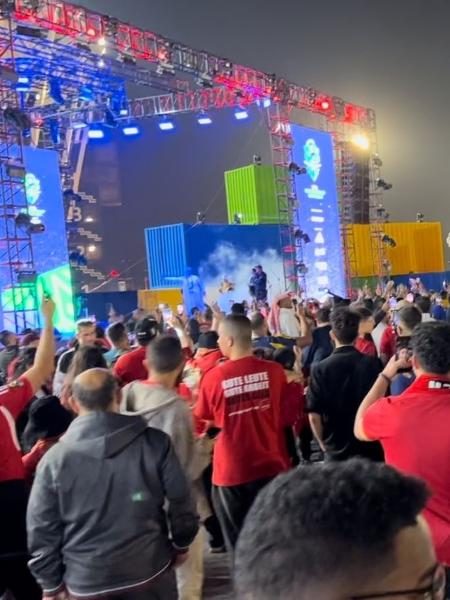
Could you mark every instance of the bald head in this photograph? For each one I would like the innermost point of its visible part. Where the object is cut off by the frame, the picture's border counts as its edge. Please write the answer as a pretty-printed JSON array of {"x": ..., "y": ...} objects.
[
  {"x": 235, "y": 334},
  {"x": 95, "y": 390}
]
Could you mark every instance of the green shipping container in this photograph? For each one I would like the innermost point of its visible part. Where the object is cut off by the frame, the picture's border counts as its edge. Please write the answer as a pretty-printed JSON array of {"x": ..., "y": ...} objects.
[{"x": 251, "y": 194}]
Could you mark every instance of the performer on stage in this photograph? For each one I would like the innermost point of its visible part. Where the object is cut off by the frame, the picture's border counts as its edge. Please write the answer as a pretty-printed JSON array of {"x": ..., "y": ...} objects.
[
  {"x": 193, "y": 292},
  {"x": 259, "y": 280}
]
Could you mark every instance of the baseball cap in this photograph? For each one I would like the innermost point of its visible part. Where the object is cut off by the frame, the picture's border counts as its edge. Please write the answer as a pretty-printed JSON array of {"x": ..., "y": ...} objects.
[
  {"x": 146, "y": 330},
  {"x": 208, "y": 340}
]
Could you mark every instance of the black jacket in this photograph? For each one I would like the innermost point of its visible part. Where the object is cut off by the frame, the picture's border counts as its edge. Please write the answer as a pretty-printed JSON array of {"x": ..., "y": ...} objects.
[
  {"x": 96, "y": 518},
  {"x": 337, "y": 387}
]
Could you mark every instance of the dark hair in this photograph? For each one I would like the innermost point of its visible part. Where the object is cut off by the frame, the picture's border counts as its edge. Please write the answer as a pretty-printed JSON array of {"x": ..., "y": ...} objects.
[
  {"x": 263, "y": 353},
  {"x": 47, "y": 418},
  {"x": 97, "y": 398},
  {"x": 165, "y": 354},
  {"x": 85, "y": 358},
  {"x": 257, "y": 320},
  {"x": 340, "y": 519},
  {"x": 4, "y": 337},
  {"x": 238, "y": 309},
  {"x": 424, "y": 303},
  {"x": 116, "y": 333},
  {"x": 194, "y": 310},
  {"x": 409, "y": 316},
  {"x": 369, "y": 304},
  {"x": 285, "y": 357},
  {"x": 430, "y": 343},
  {"x": 208, "y": 315},
  {"x": 146, "y": 330},
  {"x": 323, "y": 315},
  {"x": 99, "y": 332},
  {"x": 238, "y": 327},
  {"x": 364, "y": 313},
  {"x": 345, "y": 324},
  {"x": 208, "y": 340},
  {"x": 25, "y": 361}
]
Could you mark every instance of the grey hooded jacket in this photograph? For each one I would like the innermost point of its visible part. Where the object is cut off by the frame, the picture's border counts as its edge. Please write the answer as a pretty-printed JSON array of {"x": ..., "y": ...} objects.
[{"x": 96, "y": 518}]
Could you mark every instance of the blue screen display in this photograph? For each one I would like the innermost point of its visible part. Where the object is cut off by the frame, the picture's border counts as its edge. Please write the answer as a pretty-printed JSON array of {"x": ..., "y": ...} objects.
[
  {"x": 43, "y": 187},
  {"x": 319, "y": 212}
]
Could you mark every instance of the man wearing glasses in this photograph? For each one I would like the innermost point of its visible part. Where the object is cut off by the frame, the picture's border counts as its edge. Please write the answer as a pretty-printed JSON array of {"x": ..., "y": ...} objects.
[{"x": 339, "y": 531}]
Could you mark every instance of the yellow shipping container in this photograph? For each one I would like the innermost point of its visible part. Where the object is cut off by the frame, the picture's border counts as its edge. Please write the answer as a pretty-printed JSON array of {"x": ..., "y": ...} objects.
[
  {"x": 419, "y": 248},
  {"x": 150, "y": 299}
]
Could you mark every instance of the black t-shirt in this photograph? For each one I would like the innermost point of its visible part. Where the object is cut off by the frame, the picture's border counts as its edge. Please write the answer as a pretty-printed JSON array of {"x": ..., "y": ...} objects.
[
  {"x": 337, "y": 387},
  {"x": 321, "y": 346}
]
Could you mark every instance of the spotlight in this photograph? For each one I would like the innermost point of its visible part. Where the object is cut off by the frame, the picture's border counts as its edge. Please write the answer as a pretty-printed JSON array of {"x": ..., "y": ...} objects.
[
  {"x": 77, "y": 259},
  {"x": 130, "y": 130},
  {"x": 204, "y": 119},
  {"x": 17, "y": 118},
  {"x": 377, "y": 161},
  {"x": 87, "y": 94},
  {"x": 89, "y": 219},
  {"x": 420, "y": 217},
  {"x": 92, "y": 248},
  {"x": 101, "y": 42},
  {"x": 267, "y": 102},
  {"x": 361, "y": 141},
  {"x": 16, "y": 172},
  {"x": 200, "y": 218},
  {"x": 23, "y": 84},
  {"x": 55, "y": 92},
  {"x": 382, "y": 184},
  {"x": 237, "y": 219},
  {"x": 240, "y": 114},
  {"x": 325, "y": 105},
  {"x": 101, "y": 63},
  {"x": 301, "y": 235},
  {"x": 166, "y": 124},
  {"x": 296, "y": 170},
  {"x": 257, "y": 160},
  {"x": 386, "y": 239},
  {"x": 54, "y": 131},
  {"x": 25, "y": 223},
  {"x": 96, "y": 133},
  {"x": 110, "y": 119},
  {"x": 78, "y": 124}
]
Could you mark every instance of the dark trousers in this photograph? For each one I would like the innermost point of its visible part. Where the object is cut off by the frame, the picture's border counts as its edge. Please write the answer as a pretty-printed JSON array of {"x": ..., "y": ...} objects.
[
  {"x": 163, "y": 588},
  {"x": 16, "y": 578},
  {"x": 232, "y": 505},
  {"x": 212, "y": 524}
]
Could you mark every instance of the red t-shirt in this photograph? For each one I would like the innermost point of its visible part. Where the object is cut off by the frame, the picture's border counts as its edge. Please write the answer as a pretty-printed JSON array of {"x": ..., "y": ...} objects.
[
  {"x": 13, "y": 400},
  {"x": 130, "y": 367},
  {"x": 366, "y": 346},
  {"x": 243, "y": 397},
  {"x": 413, "y": 429},
  {"x": 388, "y": 342},
  {"x": 207, "y": 361}
]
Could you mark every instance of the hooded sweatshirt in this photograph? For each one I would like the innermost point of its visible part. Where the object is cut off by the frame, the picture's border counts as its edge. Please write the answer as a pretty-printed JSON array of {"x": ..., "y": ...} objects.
[
  {"x": 96, "y": 519},
  {"x": 163, "y": 409}
]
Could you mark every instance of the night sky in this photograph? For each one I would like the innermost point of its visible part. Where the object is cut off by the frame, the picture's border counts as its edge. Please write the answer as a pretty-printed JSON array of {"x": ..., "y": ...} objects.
[{"x": 391, "y": 55}]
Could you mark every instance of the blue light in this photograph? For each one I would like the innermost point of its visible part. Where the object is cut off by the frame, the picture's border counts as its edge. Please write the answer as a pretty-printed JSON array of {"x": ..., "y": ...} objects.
[
  {"x": 166, "y": 124},
  {"x": 87, "y": 94},
  {"x": 23, "y": 83},
  {"x": 266, "y": 102},
  {"x": 131, "y": 130},
  {"x": 78, "y": 125},
  {"x": 204, "y": 120},
  {"x": 241, "y": 114},
  {"x": 55, "y": 92},
  {"x": 95, "y": 133},
  {"x": 123, "y": 112}
]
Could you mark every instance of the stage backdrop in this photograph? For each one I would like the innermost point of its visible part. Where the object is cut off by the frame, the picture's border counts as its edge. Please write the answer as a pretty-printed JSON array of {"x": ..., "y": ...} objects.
[
  {"x": 43, "y": 189},
  {"x": 319, "y": 212},
  {"x": 214, "y": 252}
]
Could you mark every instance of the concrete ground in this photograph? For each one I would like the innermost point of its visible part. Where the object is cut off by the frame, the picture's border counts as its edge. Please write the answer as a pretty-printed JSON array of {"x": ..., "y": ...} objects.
[{"x": 217, "y": 585}]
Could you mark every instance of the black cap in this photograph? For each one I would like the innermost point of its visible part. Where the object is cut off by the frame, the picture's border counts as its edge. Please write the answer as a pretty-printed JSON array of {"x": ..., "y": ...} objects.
[
  {"x": 47, "y": 419},
  {"x": 208, "y": 340},
  {"x": 146, "y": 330}
]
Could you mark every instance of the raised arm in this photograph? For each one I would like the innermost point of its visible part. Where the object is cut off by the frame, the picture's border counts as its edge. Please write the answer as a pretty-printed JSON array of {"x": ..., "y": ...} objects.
[{"x": 45, "y": 355}]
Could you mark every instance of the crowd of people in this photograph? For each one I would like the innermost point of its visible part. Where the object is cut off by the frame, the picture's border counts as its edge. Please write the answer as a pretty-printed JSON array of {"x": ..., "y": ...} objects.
[{"x": 307, "y": 441}]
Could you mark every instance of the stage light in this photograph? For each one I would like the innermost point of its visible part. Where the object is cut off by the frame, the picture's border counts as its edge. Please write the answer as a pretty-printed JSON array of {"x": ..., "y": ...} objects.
[
  {"x": 382, "y": 184},
  {"x": 100, "y": 63},
  {"x": 54, "y": 131},
  {"x": 377, "y": 161},
  {"x": 294, "y": 168},
  {"x": 78, "y": 124},
  {"x": 420, "y": 217},
  {"x": 131, "y": 130},
  {"x": 96, "y": 133},
  {"x": 257, "y": 160},
  {"x": 267, "y": 102},
  {"x": 240, "y": 114},
  {"x": 92, "y": 248},
  {"x": 204, "y": 119},
  {"x": 200, "y": 218},
  {"x": 237, "y": 219},
  {"x": 110, "y": 119},
  {"x": 23, "y": 84},
  {"x": 361, "y": 141},
  {"x": 87, "y": 94},
  {"x": 123, "y": 112},
  {"x": 325, "y": 105},
  {"x": 166, "y": 124},
  {"x": 89, "y": 220},
  {"x": 55, "y": 92},
  {"x": 101, "y": 42}
]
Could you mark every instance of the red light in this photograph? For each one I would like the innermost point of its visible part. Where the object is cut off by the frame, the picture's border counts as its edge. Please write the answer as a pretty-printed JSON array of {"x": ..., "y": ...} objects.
[
  {"x": 325, "y": 105},
  {"x": 91, "y": 32},
  {"x": 163, "y": 55},
  {"x": 114, "y": 274}
]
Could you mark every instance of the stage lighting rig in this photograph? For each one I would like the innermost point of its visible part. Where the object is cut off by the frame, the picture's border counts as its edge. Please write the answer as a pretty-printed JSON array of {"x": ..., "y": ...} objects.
[
  {"x": 72, "y": 197},
  {"x": 382, "y": 184},
  {"x": 296, "y": 170},
  {"x": 301, "y": 235},
  {"x": 200, "y": 218},
  {"x": 257, "y": 160},
  {"x": 302, "y": 269},
  {"x": 31, "y": 226},
  {"x": 420, "y": 217},
  {"x": 55, "y": 92},
  {"x": 386, "y": 239},
  {"x": 237, "y": 219}
]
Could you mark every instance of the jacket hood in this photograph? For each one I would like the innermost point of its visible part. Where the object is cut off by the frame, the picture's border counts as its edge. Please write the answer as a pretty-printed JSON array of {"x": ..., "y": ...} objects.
[
  {"x": 103, "y": 434},
  {"x": 146, "y": 400}
]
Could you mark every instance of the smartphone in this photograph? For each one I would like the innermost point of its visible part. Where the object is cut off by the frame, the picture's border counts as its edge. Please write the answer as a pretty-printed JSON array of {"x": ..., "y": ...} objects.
[
  {"x": 167, "y": 314},
  {"x": 392, "y": 302}
]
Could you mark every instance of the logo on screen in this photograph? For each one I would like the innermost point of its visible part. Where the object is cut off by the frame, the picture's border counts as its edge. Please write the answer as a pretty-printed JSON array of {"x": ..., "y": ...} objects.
[
  {"x": 33, "y": 192},
  {"x": 312, "y": 160}
]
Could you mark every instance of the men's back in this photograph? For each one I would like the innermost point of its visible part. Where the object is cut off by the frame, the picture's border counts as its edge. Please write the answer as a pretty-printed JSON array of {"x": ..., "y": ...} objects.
[
  {"x": 99, "y": 493},
  {"x": 243, "y": 397},
  {"x": 337, "y": 387}
]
